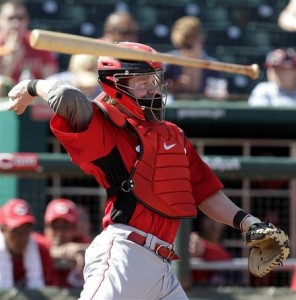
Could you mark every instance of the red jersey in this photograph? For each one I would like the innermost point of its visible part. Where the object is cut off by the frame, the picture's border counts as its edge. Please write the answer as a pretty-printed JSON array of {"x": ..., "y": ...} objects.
[
  {"x": 95, "y": 145},
  {"x": 19, "y": 272},
  {"x": 33, "y": 60},
  {"x": 212, "y": 252},
  {"x": 67, "y": 275},
  {"x": 293, "y": 281},
  {"x": 68, "y": 278}
]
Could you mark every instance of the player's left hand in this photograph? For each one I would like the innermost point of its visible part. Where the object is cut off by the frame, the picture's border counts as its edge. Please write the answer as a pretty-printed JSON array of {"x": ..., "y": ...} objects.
[{"x": 270, "y": 247}]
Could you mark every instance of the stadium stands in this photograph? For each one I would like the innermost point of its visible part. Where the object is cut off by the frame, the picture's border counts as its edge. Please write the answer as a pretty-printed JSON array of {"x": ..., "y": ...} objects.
[{"x": 236, "y": 31}]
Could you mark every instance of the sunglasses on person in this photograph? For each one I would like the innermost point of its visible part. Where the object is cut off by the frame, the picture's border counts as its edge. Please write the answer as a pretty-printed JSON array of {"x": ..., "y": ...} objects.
[
  {"x": 17, "y": 17},
  {"x": 20, "y": 231},
  {"x": 61, "y": 226},
  {"x": 125, "y": 32}
]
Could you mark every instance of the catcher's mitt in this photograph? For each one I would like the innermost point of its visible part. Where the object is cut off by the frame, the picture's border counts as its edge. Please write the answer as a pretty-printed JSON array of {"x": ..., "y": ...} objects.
[{"x": 270, "y": 247}]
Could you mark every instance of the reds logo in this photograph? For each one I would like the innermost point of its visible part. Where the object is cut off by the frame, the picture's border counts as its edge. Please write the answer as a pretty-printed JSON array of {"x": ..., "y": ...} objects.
[
  {"x": 18, "y": 162},
  {"x": 21, "y": 210}
]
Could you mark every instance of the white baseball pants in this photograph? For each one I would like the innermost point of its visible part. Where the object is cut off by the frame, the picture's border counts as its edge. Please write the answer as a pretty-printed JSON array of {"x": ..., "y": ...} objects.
[{"x": 116, "y": 268}]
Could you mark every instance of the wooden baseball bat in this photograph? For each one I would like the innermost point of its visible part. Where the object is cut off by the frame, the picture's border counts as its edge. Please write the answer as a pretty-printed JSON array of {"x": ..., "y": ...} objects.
[{"x": 75, "y": 44}]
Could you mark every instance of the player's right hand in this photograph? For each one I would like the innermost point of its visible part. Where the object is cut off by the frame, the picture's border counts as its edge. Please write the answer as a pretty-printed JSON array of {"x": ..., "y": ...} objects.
[{"x": 19, "y": 98}]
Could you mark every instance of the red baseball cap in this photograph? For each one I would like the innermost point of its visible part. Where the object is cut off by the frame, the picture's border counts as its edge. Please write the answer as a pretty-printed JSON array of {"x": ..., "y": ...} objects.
[
  {"x": 15, "y": 213},
  {"x": 282, "y": 58},
  {"x": 61, "y": 209}
]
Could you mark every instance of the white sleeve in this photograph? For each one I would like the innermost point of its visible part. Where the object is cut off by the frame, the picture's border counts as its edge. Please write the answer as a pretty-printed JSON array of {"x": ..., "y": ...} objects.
[{"x": 260, "y": 95}]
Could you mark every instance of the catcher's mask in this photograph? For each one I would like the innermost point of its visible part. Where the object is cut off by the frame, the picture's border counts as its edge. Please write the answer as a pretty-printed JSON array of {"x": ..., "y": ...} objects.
[{"x": 137, "y": 85}]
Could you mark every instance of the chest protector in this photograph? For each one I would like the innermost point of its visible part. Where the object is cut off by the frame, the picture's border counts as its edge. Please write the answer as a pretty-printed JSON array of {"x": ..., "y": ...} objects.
[{"x": 160, "y": 178}]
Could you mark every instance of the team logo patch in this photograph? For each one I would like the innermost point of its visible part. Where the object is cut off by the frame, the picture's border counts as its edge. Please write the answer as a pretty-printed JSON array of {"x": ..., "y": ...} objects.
[
  {"x": 61, "y": 209},
  {"x": 21, "y": 210}
]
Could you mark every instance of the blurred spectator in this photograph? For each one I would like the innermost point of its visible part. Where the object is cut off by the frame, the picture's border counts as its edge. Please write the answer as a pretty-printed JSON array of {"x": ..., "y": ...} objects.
[
  {"x": 188, "y": 40},
  {"x": 82, "y": 69},
  {"x": 208, "y": 251},
  {"x": 25, "y": 260},
  {"x": 81, "y": 73},
  {"x": 17, "y": 59},
  {"x": 287, "y": 18},
  {"x": 205, "y": 243},
  {"x": 6, "y": 85},
  {"x": 209, "y": 229},
  {"x": 60, "y": 220},
  {"x": 280, "y": 87},
  {"x": 293, "y": 281},
  {"x": 120, "y": 26},
  {"x": 83, "y": 234},
  {"x": 278, "y": 90}
]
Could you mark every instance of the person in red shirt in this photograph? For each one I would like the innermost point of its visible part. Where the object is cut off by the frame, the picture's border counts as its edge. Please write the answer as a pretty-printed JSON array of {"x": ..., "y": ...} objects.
[
  {"x": 205, "y": 242},
  {"x": 24, "y": 254},
  {"x": 208, "y": 251},
  {"x": 293, "y": 281},
  {"x": 18, "y": 60},
  {"x": 153, "y": 175},
  {"x": 83, "y": 233},
  {"x": 67, "y": 249}
]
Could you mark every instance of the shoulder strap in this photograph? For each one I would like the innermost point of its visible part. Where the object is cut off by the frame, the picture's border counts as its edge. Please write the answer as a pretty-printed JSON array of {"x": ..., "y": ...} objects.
[{"x": 111, "y": 112}]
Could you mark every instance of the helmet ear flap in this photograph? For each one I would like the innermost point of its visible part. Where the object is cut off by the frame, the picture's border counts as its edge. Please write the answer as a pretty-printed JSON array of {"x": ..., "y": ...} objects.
[{"x": 124, "y": 100}]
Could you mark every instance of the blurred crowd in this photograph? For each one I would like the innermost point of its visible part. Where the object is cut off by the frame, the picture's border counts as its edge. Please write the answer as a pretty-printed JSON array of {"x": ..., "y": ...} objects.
[
  {"x": 54, "y": 257},
  {"x": 19, "y": 61}
]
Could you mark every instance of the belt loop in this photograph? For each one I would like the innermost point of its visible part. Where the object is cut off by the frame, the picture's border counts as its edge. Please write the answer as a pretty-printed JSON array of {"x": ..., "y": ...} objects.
[{"x": 149, "y": 240}]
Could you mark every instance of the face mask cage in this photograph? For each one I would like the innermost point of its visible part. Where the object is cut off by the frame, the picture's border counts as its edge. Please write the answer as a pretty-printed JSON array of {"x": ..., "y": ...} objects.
[{"x": 153, "y": 103}]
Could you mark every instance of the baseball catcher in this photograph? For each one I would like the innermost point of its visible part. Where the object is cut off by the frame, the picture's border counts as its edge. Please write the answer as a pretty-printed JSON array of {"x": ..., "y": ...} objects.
[
  {"x": 153, "y": 176},
  {"x": 269, "y": 248}
]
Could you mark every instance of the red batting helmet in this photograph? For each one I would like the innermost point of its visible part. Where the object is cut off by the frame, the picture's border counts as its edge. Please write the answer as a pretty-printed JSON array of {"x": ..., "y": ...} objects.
[{"x": 114, "y": 75}]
